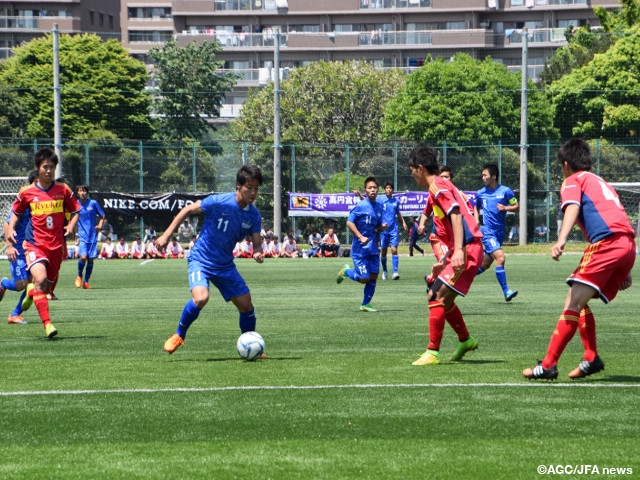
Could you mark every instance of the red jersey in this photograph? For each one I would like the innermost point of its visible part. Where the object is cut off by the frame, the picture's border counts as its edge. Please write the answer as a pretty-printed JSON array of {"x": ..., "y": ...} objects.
[
  {"x": 601, "y": 213},
  {"x": 48, "y": 208},
  {"x": 443, "y": 198}
]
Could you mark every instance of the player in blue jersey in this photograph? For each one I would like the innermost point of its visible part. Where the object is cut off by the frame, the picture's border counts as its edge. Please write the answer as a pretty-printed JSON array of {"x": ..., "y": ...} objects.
[
  {"x": 493, "y": 202},
  {"x": 18, "y": 264},
  {"x": 88, "y": 228},
  {"x": 389, "y": 238},
  {"x": 365, "y": 223},
  {"x": 228, "y": 219}
]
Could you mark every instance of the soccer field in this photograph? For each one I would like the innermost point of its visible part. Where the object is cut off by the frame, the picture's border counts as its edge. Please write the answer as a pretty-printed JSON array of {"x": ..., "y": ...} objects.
[{"x": 337, "y": 398}]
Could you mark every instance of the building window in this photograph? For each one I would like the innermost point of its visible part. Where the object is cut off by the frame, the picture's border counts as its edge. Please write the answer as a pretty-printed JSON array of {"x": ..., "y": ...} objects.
[
  {"x": 101, "y": 20},
  {"x": 157, "y": 36},
  {"x": 91, "y": 17}
]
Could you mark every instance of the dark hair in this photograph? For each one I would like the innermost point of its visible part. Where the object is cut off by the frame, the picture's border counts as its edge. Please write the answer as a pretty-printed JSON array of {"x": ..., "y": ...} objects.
[
  {"x": 371, "y": 179},
  {"x": 248, "y": 172},
  {"x": 577, "y": 154},
  {"x": 45, "y": 153},
  {"x": 32, "y": 176},
  {"x": 493, "y": 169},
  {"x": 446, "y": 168},
  {"x": 388, "y": 184},
  {"x": 82, "y": 186},
  {"x": 425, "y": 155}
]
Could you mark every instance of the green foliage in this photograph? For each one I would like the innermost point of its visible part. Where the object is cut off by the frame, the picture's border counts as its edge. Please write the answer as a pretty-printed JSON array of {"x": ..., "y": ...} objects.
[
  {"x": 102, "y": 87},
  {"x": 617, "y": 20},
  {"x": 15, "y": 162},
  {"x": 13, "y": 114},
  {"x": 323, "y": 102},
  {"x": 338, "y": 183},
  {"x": 601, "y": 99},
  {"x": 189, "y": 86},
  {"x": 464, "y": 99}
]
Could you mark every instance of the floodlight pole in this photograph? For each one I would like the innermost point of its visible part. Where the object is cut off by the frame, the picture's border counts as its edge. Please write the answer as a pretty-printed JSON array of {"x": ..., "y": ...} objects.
[
  {"x": 57, "y": 124},
  {"x": 523, "y": 141},
  {"x": 277, "y": 166}
]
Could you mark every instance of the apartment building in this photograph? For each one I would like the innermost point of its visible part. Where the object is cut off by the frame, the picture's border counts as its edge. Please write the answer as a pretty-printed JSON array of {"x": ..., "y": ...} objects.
[{"x": 23, "y": 20}]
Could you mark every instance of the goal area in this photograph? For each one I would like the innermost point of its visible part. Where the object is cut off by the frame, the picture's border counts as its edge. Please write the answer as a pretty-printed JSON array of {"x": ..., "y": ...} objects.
[
  {"x": 9, "y": 187},
  {"x": 629, "y": 194}
]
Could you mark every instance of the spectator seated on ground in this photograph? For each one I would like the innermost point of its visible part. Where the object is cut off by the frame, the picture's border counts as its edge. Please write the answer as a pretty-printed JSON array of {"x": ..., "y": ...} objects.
[
  {"x": 108, "y": 250},
  {"x": 513, "y": 234},
  {"x": 106, "y": 231},
  {"x": 330, "y": 244},
  {"x": 246, "y": 248},
  {"x": 122, "y": 249},
  {"x": 541, "y": 233},
  {"x": 174, "y": 249},
  {"x": 314, "y": 243},
  {"x": 268, "y": 248},
  {"x": 152, "y": 249},
  {"x": 138, "y": 249},
  {"x": 289, "y": 247}
]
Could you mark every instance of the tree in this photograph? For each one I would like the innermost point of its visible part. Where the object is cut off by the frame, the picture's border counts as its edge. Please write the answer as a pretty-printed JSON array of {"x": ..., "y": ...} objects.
[
  {"x": 323, "y": 102},
  {"x": 13, "y": 115},
  {"x": 620, "y": 19},
  {"x": 189, "y": 86},
  {"x": 601, "y": 99},
  {"x": 102, "y": 87},
  {"x": 464, "y": 100}
]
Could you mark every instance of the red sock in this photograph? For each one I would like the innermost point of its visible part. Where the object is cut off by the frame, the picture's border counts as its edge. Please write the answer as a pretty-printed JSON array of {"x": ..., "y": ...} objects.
[
  {"x": 42, "y": 305},
  {"x": 454, "y": 318},
  {"x": 587, "y": 330},
  {"x": 436, "y": 325},
  {"x": 564, "y": 332}
]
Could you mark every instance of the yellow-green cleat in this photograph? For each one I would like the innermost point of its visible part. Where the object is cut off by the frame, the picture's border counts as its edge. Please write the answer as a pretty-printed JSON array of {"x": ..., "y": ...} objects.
[
  {"x": 28, "y": 301},
  {"x": 464, "y": 347},
  {"x": 430, "y": 357},
  {"x": 342, "y": 273},
  {"x": 367, "y": 308},
  {"x": 50, "y": 330}
]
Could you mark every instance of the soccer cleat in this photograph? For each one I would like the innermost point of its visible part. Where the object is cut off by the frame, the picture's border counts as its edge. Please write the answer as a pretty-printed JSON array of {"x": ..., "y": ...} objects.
[
  {"x": 540, "y": 372},
  {"x": 16, "y": 320},
  {"x": 342, "y": 273},
  {"x": 367, "y": 308},
  {"x": 587, "y": 368},
  {"x": 384, "y": 275},
  {"x": 464, "y": 347},
  {"x": 510, "y": 295},
  {"x": 86, "y": 286},
  {"x": 396, "y": 276},
  {"x": 28, "y": 300},
  {"x": 78, "y": 282},
  {"x": 50, "y": 330},
  {"x": 2, "y": 290},
  {"x": 430, "y": 357},
  {"x": 172, "y": 344}
]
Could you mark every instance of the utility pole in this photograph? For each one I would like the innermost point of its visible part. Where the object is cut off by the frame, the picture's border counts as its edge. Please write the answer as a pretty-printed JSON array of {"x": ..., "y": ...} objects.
[
  {"x": 57, "y": 123},
  {"x": 277, "y": 148},
  {"x": 523, "y": 140}
]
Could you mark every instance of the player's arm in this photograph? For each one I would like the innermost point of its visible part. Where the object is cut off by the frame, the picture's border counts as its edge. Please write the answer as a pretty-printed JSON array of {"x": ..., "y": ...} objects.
[
  {"x": 11, "y": 249},
  {"x": 513, "y": 206},
  {"x": 192, "y": 209},
  {"x": 458, "y": 254},
  {"x": 571, "y": 213},
  {"x": 356, "y": 233},
  {"x": 401, "y": 221},
  {"x": 10, "y": 229},
  {"x": 258, "y": 255},
  {"x": 70, "y": 227},
  {"x": 100, "y": 222}
]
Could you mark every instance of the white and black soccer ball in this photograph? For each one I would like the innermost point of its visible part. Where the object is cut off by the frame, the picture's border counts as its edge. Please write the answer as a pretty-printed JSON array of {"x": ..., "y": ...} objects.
[{"x": 250, "y": 345}]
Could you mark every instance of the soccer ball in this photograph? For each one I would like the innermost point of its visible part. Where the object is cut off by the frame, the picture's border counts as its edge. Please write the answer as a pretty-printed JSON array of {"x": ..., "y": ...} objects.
[{"x": 250, "y": 345}]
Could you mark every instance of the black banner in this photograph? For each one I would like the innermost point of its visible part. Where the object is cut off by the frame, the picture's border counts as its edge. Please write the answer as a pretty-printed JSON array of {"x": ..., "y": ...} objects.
[{"x": 143, "y": 205}]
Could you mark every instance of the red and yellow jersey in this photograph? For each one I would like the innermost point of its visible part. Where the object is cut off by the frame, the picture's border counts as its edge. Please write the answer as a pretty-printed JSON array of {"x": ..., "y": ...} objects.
[
  {"x": 443, "y": 198},
  {"x": 48, "y": 208}
]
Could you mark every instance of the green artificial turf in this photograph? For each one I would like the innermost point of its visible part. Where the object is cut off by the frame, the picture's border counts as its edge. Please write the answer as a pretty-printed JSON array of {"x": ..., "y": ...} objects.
[{"x": 337, "y": 397}]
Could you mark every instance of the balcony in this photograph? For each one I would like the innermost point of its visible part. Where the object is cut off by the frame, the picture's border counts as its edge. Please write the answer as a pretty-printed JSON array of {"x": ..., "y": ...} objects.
[{"x": 39, "y": 24}]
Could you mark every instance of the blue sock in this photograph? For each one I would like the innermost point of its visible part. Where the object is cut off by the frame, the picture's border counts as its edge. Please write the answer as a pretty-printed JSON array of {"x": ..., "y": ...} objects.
[
  {"x": 383, "y": 261},
  {"x": 87, "y": 273},
  {"x": 80, "y": 267},
  {"x": 248, "y": 321},
  {"x": 18, "y": 310},
  {"x": 369, "y": 290},
  {"x": 480, "y": 270},
  {"x": 394, "y": 263},
  {"x": 9, "y": 284},
  {"x": 501, "y": 275},
  {"x": 189, "y": 315}
]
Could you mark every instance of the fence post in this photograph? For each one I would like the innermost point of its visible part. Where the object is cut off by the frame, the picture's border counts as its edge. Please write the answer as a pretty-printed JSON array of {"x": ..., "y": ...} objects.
[
  {"x": 346, "y": 180},
  {"x": 598, "y": 157},
  {"x": 395, "y": 165},
  {"x": 86, "y": 164},
  {"x": 548, "y": 181},
  {"x": 444, "y": 152},
  {"x": 193, "y": 168},
  {"x": 141, "y": 176}
]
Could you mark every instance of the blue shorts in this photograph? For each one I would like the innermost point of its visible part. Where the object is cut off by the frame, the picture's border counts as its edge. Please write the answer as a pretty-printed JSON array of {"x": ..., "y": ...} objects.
[
  {"x": 491, "y": 243},
  {"x": 367, "y": 265},
  {"x": 228, "y": 282},
  {"x": 88, "y": 249},
  {"x": 389, "y": 238},
  {"x": 19, "y": 269}
]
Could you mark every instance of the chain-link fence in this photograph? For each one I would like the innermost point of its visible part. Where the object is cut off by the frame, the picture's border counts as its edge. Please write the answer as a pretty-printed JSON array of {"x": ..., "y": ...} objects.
[{"x": 152, "y": 167}]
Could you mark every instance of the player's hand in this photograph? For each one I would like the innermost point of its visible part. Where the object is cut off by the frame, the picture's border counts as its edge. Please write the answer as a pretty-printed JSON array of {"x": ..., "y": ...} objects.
[
  {"x": 501, "y": 207},
  {"x": 626, "y": 283},
  {"x": 11, "y": 252},
  {"x": 364, "y": 240},
  {"x": 11, "y": 238},
  {"x": 383, "y": 227},
  {"x": 420, "y": 230},
  {"x": 258, "y": 257},
  {"x": 557, "y": 250},
  {"x": 68, "y": 231},
  {"x": 457, "y": 259},
  {"x": 437, "y": 269},
  {"x": 162, "y": 241}
]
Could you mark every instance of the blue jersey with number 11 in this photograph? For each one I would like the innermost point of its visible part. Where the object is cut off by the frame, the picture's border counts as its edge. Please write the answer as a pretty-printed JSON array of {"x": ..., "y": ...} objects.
[{"x": 225, "y": 224}]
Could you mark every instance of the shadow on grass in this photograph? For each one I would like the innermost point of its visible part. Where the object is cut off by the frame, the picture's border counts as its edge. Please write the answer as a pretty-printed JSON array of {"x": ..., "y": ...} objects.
[
  {"x": 616, "y": 379},
  {"x": 268, "y": 359}
]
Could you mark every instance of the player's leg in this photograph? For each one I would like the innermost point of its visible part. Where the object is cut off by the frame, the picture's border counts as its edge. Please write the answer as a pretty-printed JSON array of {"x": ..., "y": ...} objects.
[
  {"x": 20, "y": 278},
  {"x": 384, "y": 246},
  {"x": 394, "y": 255},
  {"x": 501, "y": 274},
  {"x": 373, "y": 268},
  {"x": 38, "y": 294}
]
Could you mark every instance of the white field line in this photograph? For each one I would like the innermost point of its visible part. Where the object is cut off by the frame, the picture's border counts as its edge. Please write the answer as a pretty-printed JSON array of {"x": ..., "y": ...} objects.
[{"x": 323, "y": 387}]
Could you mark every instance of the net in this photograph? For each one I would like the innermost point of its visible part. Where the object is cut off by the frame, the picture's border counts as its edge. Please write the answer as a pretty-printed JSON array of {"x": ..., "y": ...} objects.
[
  {"x": 9, "y": 187},
  {"x": 629, "y": 194}
]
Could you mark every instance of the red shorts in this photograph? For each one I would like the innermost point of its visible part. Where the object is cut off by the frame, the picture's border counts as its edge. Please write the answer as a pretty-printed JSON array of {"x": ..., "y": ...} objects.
[
  {"x": 461, "y": 282},
  {"x": 51, "y": 258},
  {"x": 440, "y": 250},
  {"x": 605, "y": 264}
]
